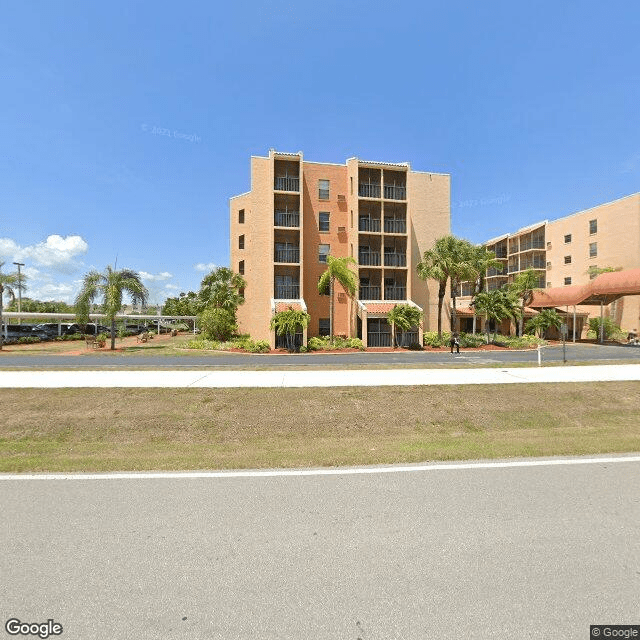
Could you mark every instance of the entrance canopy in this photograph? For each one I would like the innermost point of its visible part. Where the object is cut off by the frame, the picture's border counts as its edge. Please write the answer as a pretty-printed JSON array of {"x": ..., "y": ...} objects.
[{"x": 604, "y": 289}]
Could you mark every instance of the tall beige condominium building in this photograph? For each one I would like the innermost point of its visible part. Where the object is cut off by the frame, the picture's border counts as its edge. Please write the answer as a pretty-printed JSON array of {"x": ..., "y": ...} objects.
[
  {"x": 297, "y": 212},
  {"x": 565, "y": 251}
]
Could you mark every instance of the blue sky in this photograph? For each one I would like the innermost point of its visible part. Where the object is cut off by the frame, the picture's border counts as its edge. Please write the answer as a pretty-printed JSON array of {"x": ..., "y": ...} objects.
[{"x": 533, "y": 108}]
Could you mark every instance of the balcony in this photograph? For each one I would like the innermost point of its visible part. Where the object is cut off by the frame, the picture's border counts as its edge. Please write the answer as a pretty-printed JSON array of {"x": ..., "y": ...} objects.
[
  {"x": 528, "y": 245},
  {"x": 501, "y": 253},
  {"x": 392, "y": 192},
  {"x": 368, "y": 190},
  {"x": 369, "y": 224},
  {"x": 369, "y": 258},
  {"x": 285, "y": 183},
  {"x": 287, "y": 292},
  {"x": 512, "y": 268},
  {"x": 395, "y": 226},
  {"x": 287, "y": 255},
  {"x": 395, "y": 293},
  {"x": 395, "y": 259},
  {"x": 369, "y": 293},
  {"x": 286, "y": 219},
  {"x": 494, "y": 272}
]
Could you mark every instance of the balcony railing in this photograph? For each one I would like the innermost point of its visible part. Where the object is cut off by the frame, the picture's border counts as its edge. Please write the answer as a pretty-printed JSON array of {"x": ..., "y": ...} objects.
[
  {"x": 395, "y": 193},
  {"x": 395, "y": 293},
  {"x": 501, "y": 253},
  {"x": 406, "y": 338},
  {"x": 370, "y": 258},
  {"x": 533, "y": 264},
  {"x": 379, "y": 339},
  {"x": 494, "y": 272},
  {"x": 512, "y": 268},
  {"x": 287, "y": 255},
  {"x": 369, "y": 224},
  {"x": 395, "y": 226},
  {"x": 369, "y": 293},
  {"x": 286, "y": 219},
  {"x": 395, "y": 259},
  {"x": 287, "y": 292},
  {"x": 369, "y": 190},
  {"x": 287, "y": 184},
  {"x": 527, "y": 245}
]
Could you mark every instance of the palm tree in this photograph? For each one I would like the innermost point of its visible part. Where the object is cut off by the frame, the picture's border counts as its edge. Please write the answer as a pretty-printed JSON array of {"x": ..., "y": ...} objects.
[
  {"x": 7, "y": 282},
  {"x": 483, "y": 260},
  {"x": 495, "y": 305},
  {"x": 109, "y": 285},
  {"x": 338, "y": 270},
  {"x": 221, "y": 289},
  {"x": 523, "y": 286},
  {"x": 544, "y": 320},
  {"x": 451, "y": 259}
]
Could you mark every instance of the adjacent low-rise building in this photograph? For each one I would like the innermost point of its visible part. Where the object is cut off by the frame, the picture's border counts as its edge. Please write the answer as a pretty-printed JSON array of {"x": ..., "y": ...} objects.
[{"x": 569, "y": 251}]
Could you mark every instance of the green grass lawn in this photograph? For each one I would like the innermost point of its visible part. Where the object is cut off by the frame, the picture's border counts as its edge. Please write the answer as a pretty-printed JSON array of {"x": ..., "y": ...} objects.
[{"x": 143, "y": 429}]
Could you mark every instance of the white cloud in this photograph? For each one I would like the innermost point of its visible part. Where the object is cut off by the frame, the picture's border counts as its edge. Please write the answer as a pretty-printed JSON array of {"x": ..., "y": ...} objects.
[
  {"x": 158, "y": 277},
  {"x": 55, "y": 252},
  {"x": 208, "y": 266},
  {"x": 171, "y": 287}
]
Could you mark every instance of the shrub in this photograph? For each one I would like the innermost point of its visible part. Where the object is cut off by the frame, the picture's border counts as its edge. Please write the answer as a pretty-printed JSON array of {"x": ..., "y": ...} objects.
[
  {"x": 431, "y": 339},
  {"x": 610, "y": 328},
  {"x": 315, "y": 344},
  {"x": 28, "y": 339},
  {"x": 470, "y": 341},
  {"x": 252, "y": 346},
  {"x": 218, "y": 324},
  {"x": 303, "y": 349},
  {"x": 202, "y": 343},
  {"x": 415, "y": 346}
]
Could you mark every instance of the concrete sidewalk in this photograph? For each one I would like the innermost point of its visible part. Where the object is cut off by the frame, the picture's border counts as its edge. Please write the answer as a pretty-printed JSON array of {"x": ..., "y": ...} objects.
[{"x": 343, "y": 378}]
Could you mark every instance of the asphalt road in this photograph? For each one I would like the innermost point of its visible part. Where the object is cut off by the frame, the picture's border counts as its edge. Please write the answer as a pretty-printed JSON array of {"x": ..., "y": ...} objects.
[
  {"x": 528, "y": 552},
  {"x": 575, "y": 353}
]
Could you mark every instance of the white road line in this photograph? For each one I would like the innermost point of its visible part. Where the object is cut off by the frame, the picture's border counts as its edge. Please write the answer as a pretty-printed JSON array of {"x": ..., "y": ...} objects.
[{"x": 187, "y": 475}]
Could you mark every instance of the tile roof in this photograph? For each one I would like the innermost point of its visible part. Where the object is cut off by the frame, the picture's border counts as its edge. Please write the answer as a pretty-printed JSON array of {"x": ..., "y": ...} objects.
[{"x": 606, "y": 288}]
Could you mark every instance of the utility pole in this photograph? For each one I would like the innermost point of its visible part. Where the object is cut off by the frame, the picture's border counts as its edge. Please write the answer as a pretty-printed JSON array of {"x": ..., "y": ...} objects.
[{"x": 19, "y": 264}]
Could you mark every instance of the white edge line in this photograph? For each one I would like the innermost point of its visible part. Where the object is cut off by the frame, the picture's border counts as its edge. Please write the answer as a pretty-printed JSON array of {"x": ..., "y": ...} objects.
[{"x": 186, "y": 475}]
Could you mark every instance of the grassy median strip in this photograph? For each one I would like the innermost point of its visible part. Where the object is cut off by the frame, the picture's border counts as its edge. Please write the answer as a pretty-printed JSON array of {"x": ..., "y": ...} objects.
[{"x": 180, "y": 429}]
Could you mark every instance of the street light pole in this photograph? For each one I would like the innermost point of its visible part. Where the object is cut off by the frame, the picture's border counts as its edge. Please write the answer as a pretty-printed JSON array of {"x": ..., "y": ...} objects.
[{"x": 19, "y": 264}]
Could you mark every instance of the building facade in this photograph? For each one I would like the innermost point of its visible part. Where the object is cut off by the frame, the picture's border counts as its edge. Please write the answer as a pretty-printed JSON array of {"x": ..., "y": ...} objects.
[
  {"x": 383, "y": 215},
  {"x": 567, "y": 251}
]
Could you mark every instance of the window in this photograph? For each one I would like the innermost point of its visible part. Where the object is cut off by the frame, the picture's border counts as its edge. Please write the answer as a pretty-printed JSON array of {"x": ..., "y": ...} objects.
[
  {"x": 323, "y": 252},
  {"x": 324, "y": 221},
  {"x": 567, "y": 259},
  {"x": 241, "y": 242},
  {"x": 567, "y": 239},
  {"x": 323, "y": 189},
  {"x": 567, "y": 280},
  {"x": 324, "y": 326},
  {"x": 593, "y": 227},
  {"x": 593, "y": 249},
  {"x": 351, "y": 181},
  {"x": 241, "y": 267},
  {"x": 241, "y": 216}
]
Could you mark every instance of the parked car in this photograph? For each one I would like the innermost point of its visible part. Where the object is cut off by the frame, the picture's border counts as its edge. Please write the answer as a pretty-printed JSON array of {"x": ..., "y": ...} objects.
[
  {"x": 66, "y": 328},
  {"x": 17, "y": 331},
  {"x": 90, "y": 329}
]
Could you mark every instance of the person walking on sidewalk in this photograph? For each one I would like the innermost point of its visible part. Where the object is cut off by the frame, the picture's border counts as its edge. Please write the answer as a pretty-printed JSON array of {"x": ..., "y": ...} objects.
[{"x": 455, "y": 342}]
